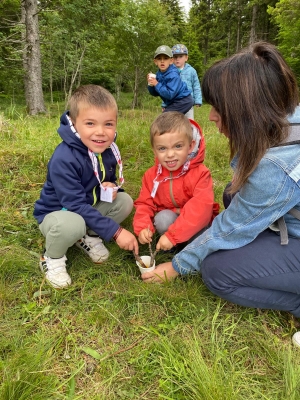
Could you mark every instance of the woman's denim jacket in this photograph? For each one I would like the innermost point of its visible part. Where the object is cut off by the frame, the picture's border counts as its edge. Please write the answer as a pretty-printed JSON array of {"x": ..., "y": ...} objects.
[{"x": 271, "y": 191}]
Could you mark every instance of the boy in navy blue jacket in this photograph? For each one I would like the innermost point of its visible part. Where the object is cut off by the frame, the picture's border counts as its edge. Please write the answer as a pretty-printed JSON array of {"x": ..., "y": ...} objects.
[
  {"x": 81, "y": 201},
  {"x": 167, "y": 83}
]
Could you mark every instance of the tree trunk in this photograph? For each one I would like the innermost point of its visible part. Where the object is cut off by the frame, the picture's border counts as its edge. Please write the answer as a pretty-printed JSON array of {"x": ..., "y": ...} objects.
[
  {"x": 24, "y": 53},
  {"x": 74, "y": 75},
  {"x": 135, "y": 90},
  {"x": 32, "y": 64},
  {"x": 253, "y": 25}
]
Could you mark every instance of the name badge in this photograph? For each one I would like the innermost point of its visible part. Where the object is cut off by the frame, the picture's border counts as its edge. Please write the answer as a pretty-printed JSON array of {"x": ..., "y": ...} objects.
[
  {"x": 154, "y": 190},
  {"x": 107, "y": 194}
]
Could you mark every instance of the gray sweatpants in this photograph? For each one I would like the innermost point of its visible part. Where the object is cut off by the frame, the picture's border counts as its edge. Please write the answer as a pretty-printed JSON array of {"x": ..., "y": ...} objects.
[
  {"x": 163, "y": 219},
  {"x": 63, "y": 228}
]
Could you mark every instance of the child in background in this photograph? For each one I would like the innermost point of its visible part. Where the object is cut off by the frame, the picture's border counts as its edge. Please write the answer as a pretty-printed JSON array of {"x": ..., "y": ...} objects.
[
  {"x": 81, "y": 201},
  {"x": 176, "y": 197},
  {"x": 188, "y": 74},
  {"x": 167, "y": 84}
]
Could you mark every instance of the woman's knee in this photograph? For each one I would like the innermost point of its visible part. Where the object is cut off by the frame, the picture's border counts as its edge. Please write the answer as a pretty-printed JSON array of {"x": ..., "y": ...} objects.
[{"x": 210, "y": 271}]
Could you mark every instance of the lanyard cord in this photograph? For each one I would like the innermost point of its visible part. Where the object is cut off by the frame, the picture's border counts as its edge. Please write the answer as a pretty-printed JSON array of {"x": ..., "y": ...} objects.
[
  {"x": 182, "y": 172},
  {"x": 159, "y": 171}
]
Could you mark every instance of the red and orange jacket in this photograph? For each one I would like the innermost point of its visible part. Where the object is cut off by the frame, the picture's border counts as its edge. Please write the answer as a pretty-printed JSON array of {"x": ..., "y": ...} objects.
[{"x": 191, "y": 194}]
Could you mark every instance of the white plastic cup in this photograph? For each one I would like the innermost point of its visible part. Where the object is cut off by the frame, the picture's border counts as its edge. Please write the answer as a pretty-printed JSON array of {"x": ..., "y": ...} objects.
[
  {"x": 151, "y": 76},
  {"x": 146, "y": 260}
]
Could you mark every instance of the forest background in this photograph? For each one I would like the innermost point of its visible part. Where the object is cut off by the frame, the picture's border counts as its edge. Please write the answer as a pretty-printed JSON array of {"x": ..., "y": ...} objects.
[{"x": 49, "y": 47}]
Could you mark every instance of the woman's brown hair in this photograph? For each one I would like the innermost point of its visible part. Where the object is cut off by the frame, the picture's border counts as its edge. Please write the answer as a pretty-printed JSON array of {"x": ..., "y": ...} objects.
[{"x": 253, "y": 91}]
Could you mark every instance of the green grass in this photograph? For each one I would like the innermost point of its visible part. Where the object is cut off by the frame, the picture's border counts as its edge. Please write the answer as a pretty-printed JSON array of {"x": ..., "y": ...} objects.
[{"x": 109, "y": 336}]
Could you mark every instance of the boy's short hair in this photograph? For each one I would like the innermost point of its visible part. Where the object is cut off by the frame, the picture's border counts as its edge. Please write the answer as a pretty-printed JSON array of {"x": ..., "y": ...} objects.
[
  {"x": 172, "y": 121},
  {"x": 163, "y": 50},
  {"x": 93, "y": 95},
  {"x": 179, "y": 49}
]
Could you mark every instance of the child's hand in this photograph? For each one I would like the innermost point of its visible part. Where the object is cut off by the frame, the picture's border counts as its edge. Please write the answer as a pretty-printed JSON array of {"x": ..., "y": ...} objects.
[
  {"x": 164, "y": 243},
  {"x": 162, "y": 273},
  {"x": 151, "y": 79},
  {"x": 145, "y": 236},
  {"x": 127, "y": 241},
  {"x": 112, "y": 185}
]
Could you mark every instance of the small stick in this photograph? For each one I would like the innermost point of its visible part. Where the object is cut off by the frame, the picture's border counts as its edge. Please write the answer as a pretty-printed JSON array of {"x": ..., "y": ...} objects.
[
  {"x": 152, "y": 255},
  {"x": 139, "y": 260}
]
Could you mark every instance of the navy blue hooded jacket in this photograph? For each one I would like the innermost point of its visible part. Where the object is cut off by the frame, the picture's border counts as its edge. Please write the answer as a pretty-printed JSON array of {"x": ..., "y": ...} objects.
[
  {"x": 72, "y": 185},
  {"x": 170, "y": 87}
]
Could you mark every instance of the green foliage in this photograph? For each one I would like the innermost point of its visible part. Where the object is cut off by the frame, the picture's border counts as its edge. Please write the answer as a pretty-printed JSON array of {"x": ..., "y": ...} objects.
[
  {"x": 140, "y": 28},
  {"x": 109, "y": 336},
  {"x": 174, "y": 9},
  {"x": 112, "y": 43},
  {"x": 286, "y": 15}
]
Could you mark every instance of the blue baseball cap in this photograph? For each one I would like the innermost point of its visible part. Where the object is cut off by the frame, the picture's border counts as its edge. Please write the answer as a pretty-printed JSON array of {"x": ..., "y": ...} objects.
[{"x": 179, "y": 49}]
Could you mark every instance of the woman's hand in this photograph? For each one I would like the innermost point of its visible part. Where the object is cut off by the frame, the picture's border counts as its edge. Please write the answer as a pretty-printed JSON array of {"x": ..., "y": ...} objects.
[{"x": 162, "y": 273}]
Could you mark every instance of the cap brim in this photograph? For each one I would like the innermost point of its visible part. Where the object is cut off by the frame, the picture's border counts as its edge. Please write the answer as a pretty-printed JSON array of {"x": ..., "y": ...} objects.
[{"x": 165, "y": 54}]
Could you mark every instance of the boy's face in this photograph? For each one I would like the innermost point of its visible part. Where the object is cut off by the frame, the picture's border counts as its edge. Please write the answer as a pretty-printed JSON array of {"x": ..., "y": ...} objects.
[
  {"x": 96, "y": 127},
  {"x": 163, "y": 62},
  {"x": 180, "y": 60},
  {"x": 172, "y": 149}
]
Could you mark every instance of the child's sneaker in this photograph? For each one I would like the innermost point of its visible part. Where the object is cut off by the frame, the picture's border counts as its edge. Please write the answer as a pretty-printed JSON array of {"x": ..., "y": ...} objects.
[
  {"x": 55, "y": 271},
  {"x": 296, "y": 339},
  {"x": 94, "y": 247}
]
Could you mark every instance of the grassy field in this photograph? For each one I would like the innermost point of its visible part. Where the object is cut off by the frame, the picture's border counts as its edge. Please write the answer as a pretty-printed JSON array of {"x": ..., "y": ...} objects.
[{"x": 109, "y": 336}]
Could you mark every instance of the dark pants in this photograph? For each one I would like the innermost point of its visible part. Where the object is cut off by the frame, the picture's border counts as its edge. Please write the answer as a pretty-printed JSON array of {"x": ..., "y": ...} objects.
[
  {"x": 181, "y": 105},
  {"x": 262, "y": 274}
]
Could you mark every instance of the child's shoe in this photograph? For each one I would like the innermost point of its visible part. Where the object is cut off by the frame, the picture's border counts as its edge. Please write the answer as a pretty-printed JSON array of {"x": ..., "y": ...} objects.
[
  {"x": 296, "y": 339},
  {"x": 94, "y": 247},
  {"x": 55, "y": 271}
]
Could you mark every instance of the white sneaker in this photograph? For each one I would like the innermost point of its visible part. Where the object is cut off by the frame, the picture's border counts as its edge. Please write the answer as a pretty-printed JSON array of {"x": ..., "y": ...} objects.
[
  {"x": 296, "y": 339},
  {"x": 94, "y": 247},
  {"x": 55, "y": 271}
]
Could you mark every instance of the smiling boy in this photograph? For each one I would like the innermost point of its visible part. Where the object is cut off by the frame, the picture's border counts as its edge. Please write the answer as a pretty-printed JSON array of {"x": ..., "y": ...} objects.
[
  {"x": 81, "y": 201},
  {"x": 176, "y": 197},
  {"x": 167, "y": 84}
]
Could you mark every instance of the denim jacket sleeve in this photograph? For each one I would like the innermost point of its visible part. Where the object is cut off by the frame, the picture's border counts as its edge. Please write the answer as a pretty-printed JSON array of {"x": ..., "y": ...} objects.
[{"x": 270, "y": 192}]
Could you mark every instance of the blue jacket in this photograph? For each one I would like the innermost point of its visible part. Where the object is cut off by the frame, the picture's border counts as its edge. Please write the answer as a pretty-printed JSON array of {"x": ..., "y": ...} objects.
[
  {"x": 189, "y": 75},
  {"x": 170, "y": 87},
  {"x": 71, "y": 183},
  {"x": 271, "y": 191}
]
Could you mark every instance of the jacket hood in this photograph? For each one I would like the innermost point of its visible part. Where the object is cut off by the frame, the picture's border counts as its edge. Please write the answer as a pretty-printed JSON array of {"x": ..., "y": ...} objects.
[
  {"x": 68, "y": 133},
  {"x": 197, "y": 155}
]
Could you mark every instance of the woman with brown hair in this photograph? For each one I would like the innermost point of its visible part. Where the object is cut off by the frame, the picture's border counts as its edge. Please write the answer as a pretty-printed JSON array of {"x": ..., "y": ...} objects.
[{"x": 251, "y": 253}]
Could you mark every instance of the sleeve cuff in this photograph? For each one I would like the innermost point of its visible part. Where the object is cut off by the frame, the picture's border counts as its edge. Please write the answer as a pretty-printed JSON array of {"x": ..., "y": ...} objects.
[{"x": 180, "y": 269}]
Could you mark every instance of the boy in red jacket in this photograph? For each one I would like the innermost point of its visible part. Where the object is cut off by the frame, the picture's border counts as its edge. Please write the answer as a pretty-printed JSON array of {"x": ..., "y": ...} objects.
[{"x": 176, "y": 197}]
